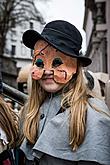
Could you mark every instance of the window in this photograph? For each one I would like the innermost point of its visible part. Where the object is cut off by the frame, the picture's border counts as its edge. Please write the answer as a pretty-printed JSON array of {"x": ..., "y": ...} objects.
[
  {"x": 13, "y": 50},
  {"x": 31, "y": 25},
  {"x": 13, "y": 23}
]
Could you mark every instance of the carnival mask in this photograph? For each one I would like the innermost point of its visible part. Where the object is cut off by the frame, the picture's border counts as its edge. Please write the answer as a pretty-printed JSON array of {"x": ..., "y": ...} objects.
[{"x": 46, "y": 57}]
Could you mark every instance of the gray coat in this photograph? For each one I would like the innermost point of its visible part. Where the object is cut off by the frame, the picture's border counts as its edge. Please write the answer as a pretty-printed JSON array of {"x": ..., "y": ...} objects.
[{"x": 52, "y": 146}]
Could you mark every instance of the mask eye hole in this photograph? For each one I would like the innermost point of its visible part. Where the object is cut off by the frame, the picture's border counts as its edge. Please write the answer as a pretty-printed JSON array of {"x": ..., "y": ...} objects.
[
  {"x": 39, "y": 63},
  {"x": 56, "y": 62}
]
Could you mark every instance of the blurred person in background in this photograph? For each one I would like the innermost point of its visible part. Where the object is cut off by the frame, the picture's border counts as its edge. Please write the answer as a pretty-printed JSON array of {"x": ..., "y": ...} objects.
[{"x": 9, "y": 131}]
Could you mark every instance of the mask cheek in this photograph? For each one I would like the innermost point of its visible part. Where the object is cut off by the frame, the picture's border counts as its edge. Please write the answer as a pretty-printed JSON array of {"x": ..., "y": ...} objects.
[
  {"x": 61, "y": 76},
  {"x": 36, "y": 73}
]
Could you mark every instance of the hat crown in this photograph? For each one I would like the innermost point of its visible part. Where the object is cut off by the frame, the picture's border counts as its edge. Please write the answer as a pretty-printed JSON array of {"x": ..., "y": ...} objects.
[{"x": 67, "y": 29}]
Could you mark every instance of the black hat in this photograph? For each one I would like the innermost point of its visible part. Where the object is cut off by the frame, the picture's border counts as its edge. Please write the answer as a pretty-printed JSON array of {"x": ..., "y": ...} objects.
[{"x": 60, "y": 34}]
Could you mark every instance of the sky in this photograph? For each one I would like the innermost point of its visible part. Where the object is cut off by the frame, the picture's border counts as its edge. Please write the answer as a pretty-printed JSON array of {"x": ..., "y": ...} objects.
[{"x": 68, "y": 10}]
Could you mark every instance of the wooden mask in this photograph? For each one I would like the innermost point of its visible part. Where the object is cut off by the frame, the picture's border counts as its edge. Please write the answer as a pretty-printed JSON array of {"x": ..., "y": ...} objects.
[{"x": 46, "y": 57}]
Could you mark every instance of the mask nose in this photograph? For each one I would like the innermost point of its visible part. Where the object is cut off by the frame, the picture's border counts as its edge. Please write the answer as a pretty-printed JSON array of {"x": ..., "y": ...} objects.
[{"x": 48, "y": 72}]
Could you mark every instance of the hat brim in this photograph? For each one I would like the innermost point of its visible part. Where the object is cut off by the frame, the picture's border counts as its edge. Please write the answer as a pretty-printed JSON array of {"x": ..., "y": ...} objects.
[{"x": 30, "y": 37}]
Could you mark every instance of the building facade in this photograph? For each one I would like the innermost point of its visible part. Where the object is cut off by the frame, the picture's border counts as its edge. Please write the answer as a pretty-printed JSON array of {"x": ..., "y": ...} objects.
[
  {"x": 16, "y": 55},
  {"x": 14, "y": 46},
  {"x": 97, "y": 28}
]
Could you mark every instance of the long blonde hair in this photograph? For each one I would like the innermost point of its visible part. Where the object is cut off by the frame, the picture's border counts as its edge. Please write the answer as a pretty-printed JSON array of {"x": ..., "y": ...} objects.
[
  {"x": 9, "y": 123},
  {"x": 31, "y": 123},
  {"x": 76, "y": 98}
]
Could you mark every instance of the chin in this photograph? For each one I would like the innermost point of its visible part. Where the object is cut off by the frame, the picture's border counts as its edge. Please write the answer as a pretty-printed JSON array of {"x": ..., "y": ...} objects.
[{"x": 52, "y": 89}]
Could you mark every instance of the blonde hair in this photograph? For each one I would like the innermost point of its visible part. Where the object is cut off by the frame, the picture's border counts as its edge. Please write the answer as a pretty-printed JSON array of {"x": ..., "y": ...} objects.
[
  {"x": 76, "y": 98},
  {"x": 9, "y": 123},
  {"x": 31, "y": 123}
]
